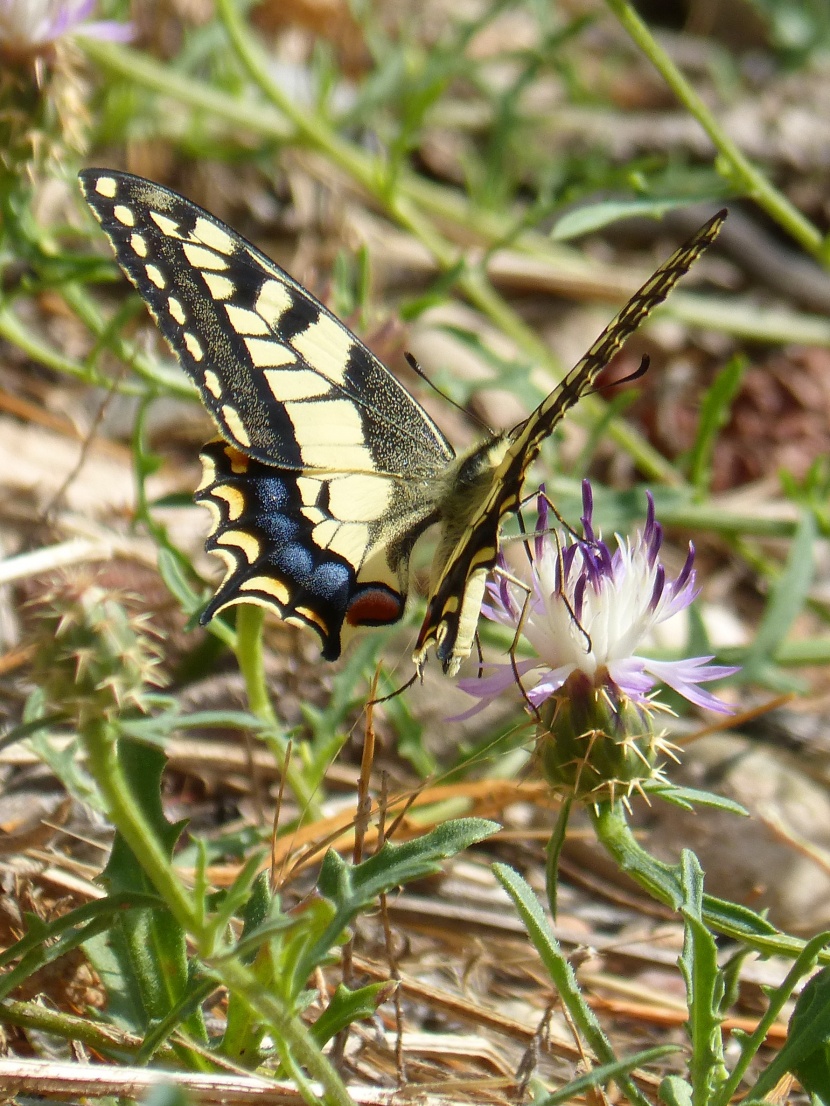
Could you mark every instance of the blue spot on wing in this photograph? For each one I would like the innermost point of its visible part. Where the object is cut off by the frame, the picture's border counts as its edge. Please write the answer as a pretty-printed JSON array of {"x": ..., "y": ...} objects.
[{"x": 315, "y": 580}]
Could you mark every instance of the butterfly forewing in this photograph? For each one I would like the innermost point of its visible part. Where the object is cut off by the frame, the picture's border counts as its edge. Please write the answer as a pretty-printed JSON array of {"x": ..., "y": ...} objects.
[
  {"x": 452, "y": 610},
  {"x": 286, "y": 381}
]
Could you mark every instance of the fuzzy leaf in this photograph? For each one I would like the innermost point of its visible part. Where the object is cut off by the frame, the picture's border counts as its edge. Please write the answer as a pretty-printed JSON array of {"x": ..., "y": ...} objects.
[
  {"x": 704, "y": 985},
  {"x": 349, "y": 1006},
  {"x": 675, "y": 1091},
  {"x": 148, "y": 945}
]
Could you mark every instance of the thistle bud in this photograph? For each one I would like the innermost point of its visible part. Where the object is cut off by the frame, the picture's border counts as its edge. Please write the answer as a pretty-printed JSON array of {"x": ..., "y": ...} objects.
[
  {"x": 94, "y": 658},
  {"x": 595, "y": 743}
]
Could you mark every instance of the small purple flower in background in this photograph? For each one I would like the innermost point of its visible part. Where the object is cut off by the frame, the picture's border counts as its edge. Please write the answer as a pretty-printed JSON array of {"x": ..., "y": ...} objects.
[
  {"x": 43, "y": 87},
  {"x": 588, "y": 611},
  {"x": 30, "y": 26}
]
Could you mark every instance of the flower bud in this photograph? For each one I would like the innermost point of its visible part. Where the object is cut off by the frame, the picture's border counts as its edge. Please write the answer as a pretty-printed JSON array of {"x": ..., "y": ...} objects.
[
  {"x": 94, "y": 659},
  {"x": 595, "y": 743}
]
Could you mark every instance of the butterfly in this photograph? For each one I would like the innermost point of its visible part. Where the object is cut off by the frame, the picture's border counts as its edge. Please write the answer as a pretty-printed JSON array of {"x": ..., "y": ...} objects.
[{"x": 328, "y": 470}]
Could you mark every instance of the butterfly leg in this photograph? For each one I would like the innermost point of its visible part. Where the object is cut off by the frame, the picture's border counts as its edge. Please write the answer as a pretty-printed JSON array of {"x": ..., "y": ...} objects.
[{"x": 523, "y": 614}]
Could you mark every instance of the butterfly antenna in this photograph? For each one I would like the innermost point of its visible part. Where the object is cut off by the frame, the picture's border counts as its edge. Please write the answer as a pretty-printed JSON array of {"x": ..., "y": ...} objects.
[{"x": 412, "y": 361}]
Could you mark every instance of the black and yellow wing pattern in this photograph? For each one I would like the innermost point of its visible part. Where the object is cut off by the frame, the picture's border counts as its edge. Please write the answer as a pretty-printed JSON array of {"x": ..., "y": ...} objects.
[{"x": 327, "y": 470}]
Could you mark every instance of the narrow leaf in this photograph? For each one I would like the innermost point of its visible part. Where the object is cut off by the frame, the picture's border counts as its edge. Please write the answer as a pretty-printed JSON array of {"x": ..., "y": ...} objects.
[
  {"x": 586, "y": 220},
  {"x": 786, "y": 598},
  {"x": 714, "y": 414}
]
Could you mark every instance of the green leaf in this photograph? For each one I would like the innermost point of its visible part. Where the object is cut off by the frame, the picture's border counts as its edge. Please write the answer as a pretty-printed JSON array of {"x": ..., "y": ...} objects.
[
  {"x": 688, "y": 797},
  {"x": 349, "y": 1006},
  {"x": 786, "y": 599},
  {"x": 554, "y": 851},
  {"x": 439, "y": 291},
  {"x": 45, "y": 942},
  {"x": 808, "y": 1043},
  {"x": 395, "y": 865},
  {"x": 586, "y": 220},
  {"x": 177, "y": 581},
  {"x": 601, "y": 1076},
  {"x": 662, "y": 881},
  {"x": 797, "y": 1046},
  {"x": 26, "y": 729},
  {"x": 351, "y": 888},
  {"x": 149, "y": 944},
  {"x": 715, "y": 409},
  {"x": 704, "y": 985},
  {"x": 675, "y": 1091}
]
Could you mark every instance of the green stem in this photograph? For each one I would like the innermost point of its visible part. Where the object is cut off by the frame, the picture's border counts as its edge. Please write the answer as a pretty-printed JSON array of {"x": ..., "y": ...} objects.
[
  {"x": 101, "y": 747},
  {"x": 753, "y": 1042},
  {"x": 102, "y": 755},
  {"x": 70, "y": 1027},
  {"x": 294, "y": 1041},
  {"x": 15, "y": 332},
  {"x": 736, "y": 168},
  {"x": 171, "y": 380},
  {"x": 250, "y": 657},
  {"x": 662, "y": 882},
  {"x": 249, "y": 623}
]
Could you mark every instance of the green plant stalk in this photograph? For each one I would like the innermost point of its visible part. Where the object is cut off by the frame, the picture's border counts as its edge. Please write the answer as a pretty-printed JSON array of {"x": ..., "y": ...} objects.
[
  {"x": 249, "y": 622},
  {"x": 101, "y": 747},
  {"x": 100, "y": 742},
  {"x": 249, "y": 656},
  {"x": 442, "y": 203},
  {"x": 15, "y": 332},
  {"x": 751, "y": 1043},
  {"x": 288, "y": 1030},
  {"x": 738, "y": 169},
  {"x": 173, "y": 382},
  {"x": 83, "y": 305},
  {"x": 69, "y": 1027},
  {"x": 661, "y": 881},
  {"x": 400, "y": 206}
]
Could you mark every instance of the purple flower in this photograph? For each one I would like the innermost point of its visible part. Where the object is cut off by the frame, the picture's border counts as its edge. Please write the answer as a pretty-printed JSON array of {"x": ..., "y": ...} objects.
[
  {"x": 588, "y": 612},
  {"x": 29, "y": 26}
]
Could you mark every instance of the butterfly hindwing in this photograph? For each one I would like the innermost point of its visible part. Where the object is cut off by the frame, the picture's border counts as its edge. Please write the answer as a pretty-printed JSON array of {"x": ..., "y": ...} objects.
[{"x": 306, "y": 544}]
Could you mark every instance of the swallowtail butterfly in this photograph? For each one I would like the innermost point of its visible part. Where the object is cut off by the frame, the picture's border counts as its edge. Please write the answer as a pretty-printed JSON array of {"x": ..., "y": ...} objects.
[{"x": 328, "y": 470}]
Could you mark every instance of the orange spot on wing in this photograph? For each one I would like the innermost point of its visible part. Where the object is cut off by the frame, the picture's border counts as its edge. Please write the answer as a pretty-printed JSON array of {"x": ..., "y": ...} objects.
[{"x": 375, "y": 606}]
